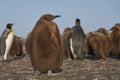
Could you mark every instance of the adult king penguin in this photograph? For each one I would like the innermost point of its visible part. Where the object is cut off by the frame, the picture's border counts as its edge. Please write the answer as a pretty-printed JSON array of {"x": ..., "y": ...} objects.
[
  {"x": 76, "y": 39},
  {"x": 45, "y": 46},
  {"x": 6, "y": 41}
]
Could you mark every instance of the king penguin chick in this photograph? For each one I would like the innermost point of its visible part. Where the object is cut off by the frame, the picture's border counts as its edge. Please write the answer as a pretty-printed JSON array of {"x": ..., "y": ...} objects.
[
  {"x": 76, "y": 39},
  {"x": 6, "y": 41},
  {"x": 45, "y": 46}
]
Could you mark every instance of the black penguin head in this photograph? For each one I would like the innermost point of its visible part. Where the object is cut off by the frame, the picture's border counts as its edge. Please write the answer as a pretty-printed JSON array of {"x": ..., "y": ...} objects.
[
  {"x": 9, "y": 25},
  {"x": 115, "y": 27},
  {"x": 77, "y": 21},
  {"x": 49, "y": 17}
]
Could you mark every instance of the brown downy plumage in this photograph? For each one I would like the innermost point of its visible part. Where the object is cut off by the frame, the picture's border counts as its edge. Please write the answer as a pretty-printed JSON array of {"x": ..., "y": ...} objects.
[
  {"x": 108, "y": 42},
  {"x": 16, "y": 48},
  {"x": 65, "y": 44},
  {"x": 115, "y": 37},
  {"x": 45, "y": 45},
  {"x": 27, "y": 43},
  {"x": 97, "y": 44}
]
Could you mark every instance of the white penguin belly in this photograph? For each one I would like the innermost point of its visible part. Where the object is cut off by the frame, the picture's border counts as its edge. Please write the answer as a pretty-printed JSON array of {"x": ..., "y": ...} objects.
[
  {"x": 9, "y": 41},
  {"x": 72, "y": 49}
]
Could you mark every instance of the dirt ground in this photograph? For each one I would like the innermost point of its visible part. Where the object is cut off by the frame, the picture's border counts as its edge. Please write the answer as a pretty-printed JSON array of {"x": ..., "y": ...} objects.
[{"x": 88, "y": 69}]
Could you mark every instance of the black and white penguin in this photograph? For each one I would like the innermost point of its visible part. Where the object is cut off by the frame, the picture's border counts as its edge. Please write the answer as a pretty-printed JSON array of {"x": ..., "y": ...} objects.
[
  {"x": 76, "y": 39},
  {"x": 6, "y": 41}
]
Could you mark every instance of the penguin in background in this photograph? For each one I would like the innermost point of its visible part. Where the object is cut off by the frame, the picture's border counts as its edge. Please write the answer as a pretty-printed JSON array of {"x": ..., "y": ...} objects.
[
  {"x": 45, "y": 46},
  {"x": 6, "y": 41},
  {"x": 16, "y": 48},
  {"x": 115, "y": 37},
  {"x": 76, "y": 40},
  {"x": 66, "y": 49},
  {"x": 27, "y": 43}
]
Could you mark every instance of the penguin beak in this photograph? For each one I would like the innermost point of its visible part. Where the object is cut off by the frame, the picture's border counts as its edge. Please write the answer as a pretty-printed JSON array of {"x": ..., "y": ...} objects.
[
  {"x": 57, "y": 16},
  {"x": 110, "y": 29},
  {"x": 12, "y": 24}
]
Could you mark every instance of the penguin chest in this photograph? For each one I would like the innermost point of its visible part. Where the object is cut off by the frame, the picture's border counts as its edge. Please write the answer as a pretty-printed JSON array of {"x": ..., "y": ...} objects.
[{"x": 9, "y": 39}]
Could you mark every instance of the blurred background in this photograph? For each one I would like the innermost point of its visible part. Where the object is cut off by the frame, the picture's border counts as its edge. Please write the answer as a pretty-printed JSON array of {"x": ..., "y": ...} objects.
[{"x": 92, "y": 13}]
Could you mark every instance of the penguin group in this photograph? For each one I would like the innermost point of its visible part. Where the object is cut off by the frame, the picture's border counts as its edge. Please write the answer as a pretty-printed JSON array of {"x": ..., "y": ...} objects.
[
  {"x": 47, "y": 47},
  {"x": 103, "y": 43}
]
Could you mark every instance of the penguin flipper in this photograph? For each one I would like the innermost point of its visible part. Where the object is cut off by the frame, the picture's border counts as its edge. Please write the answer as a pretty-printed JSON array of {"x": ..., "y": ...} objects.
[
  {"x": 2, "y": 47},
  {"x": 3, "y": 42},
  {"x": 68, "y": 39}
]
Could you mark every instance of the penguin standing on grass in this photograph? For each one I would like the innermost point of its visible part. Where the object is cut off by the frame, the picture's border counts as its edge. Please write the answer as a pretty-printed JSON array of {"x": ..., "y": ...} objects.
[{"x": 6, "y": 41}]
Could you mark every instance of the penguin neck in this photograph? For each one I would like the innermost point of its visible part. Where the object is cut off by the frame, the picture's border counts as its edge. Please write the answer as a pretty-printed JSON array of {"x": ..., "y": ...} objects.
[
  {"x": 8, "y": 29},
  {"x": 77, "y": 24}
]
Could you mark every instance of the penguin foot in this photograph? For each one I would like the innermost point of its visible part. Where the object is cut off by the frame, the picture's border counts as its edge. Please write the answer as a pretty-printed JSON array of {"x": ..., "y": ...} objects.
[
  {"x": 81, "y": 58},
  {"x": 49, "y": 72},
  {"x": 69, "y": 58},
  {"x": 57, "y": 70}
]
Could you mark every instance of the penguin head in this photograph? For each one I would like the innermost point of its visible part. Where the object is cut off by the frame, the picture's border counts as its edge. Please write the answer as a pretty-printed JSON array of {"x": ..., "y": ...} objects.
[
  {"x": 67, "y": 29},
  {"x": 113, "y": 29},
  {"x": 77, "y": 21},
  {"x": 117, "y": 24},
  {"x": 101, "y": 30},
  {"x": 49, "y": 17},
  {"x": 9, "y": 25}
]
